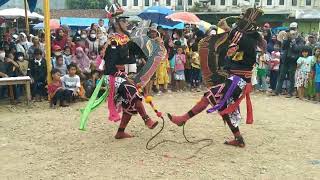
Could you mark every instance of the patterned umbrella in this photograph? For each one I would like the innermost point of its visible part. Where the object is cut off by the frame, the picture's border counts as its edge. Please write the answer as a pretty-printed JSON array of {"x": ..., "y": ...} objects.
[{"x": 185, "y": 17}]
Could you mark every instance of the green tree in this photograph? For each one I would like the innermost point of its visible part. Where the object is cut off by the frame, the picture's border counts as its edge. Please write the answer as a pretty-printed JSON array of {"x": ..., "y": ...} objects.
[{"x": 87, "y": 4}]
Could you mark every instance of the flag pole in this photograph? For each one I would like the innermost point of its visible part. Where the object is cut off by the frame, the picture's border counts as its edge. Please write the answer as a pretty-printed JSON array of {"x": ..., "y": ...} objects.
[
  {"x": 46, "y": 8},
  {"x": 26, "y": 17}
]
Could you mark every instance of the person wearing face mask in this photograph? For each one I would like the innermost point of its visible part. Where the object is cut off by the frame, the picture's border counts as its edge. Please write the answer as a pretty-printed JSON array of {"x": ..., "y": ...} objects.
[
  {"x": 23, "y": 64},
  {"x": 57, "y": 51},
  {"x": 92, "y": 42},
  {"x": 83, "y": 35},
  {"x": 61, "y": 38},
  {"x": 291, "y": 51},
  {"x": 38, "y": 75}
]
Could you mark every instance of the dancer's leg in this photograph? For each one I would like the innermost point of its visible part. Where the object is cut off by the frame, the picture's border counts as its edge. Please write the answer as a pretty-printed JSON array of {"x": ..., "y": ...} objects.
[
  {"x": 199, "y": 107},
  {"x": 123, "y": 124},
  {"x": 142, "y": 112},
  {"x": 238, "y": 139}
]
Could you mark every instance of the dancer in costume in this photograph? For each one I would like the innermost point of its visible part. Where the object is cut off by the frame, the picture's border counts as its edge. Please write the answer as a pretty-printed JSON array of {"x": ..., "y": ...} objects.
[
  {"x": 231, "y": 75},
  {"x": 122, "y": 91}
]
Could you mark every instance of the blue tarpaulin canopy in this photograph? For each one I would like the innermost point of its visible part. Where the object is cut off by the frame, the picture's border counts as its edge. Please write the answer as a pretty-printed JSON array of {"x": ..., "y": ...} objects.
[
  {"x": 178, "y": 26},
  {"x": 80, "y": 22}
]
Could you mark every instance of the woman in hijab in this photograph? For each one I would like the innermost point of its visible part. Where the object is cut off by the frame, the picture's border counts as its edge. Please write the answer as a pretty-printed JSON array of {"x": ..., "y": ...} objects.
[
  {"x": 82, "y": 60},
  {"x": 61, "y": 38},
  {"x": 92, "y": 42}
]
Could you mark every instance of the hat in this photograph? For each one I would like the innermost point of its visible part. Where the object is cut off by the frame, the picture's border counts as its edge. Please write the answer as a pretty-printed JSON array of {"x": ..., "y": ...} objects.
[
  {"x": 293, "y": 25},
  {"x": 56, "y": 48},
  {"x": 23, "y": 34}
]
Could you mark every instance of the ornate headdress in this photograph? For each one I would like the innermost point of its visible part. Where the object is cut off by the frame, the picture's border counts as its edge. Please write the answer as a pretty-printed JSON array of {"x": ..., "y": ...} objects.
[{"x": 247, "y": 21}]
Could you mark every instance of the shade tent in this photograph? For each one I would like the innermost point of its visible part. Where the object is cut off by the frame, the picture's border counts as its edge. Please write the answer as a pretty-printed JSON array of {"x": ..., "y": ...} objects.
[
  {"x": 80, "y": 22},
  {"x": 13, "y": 13}
]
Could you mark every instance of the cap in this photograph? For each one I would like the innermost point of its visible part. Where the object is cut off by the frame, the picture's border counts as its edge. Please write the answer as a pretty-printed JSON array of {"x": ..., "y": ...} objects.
[
  {"x": 56, "y": 48},
  {"x": 293, "y": 25}
]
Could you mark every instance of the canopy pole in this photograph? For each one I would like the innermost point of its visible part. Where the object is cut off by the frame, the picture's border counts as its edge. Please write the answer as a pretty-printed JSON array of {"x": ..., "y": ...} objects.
[
  {"x": 26, "y": 17},
  {"x": 46, "y": 8}
]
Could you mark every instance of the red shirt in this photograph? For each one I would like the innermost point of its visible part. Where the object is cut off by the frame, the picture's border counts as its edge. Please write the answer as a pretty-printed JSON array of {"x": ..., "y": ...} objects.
[{"x": 53, "y": 87}]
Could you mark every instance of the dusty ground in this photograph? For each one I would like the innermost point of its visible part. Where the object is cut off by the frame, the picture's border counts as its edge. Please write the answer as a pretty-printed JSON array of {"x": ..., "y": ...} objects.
[{"x": 40, "y": 143}]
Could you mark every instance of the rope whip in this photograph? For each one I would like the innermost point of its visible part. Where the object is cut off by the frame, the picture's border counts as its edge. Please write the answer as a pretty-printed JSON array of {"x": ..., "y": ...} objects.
[{"x": 148, "y": 99}]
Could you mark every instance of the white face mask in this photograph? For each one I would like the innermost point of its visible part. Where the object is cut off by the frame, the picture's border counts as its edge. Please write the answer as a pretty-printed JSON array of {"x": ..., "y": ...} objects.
[
  {"x": 20, "y": 58},
  {"x": 174, "y": 36},
  {"x": 83, "y": 36},
  {"x": 2, "y": 55},
  {"x": 93, "y": 35}
]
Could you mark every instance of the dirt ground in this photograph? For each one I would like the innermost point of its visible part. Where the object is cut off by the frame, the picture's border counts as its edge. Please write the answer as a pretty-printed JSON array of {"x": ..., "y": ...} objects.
[{"x": 41, "y": 143}]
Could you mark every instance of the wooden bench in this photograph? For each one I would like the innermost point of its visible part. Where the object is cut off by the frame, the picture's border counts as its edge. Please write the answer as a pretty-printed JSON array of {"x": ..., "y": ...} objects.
[{"x": 26, "y": 80}]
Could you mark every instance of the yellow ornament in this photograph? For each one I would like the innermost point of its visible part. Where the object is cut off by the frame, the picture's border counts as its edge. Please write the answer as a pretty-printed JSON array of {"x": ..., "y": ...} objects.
[{"x": 148, "y": 99}]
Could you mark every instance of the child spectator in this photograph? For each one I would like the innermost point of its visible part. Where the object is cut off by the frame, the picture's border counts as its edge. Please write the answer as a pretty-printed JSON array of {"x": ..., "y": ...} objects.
[
  {"x": 316, "y": 73},
  {"x": 179, "y": 77},
  {"x": 195, "y": 68},
  {"x": 100, "y": 60},
  {"x": 263, "y": 59},
  {"x": 62, "y": 67},
  {"x": 274, "y": 66},
  {"x": 55, "y": 91},
  {"x": 162, "y": 77},
  {"x": 310, "y": 91},
  {"x": 67, "y": 55},
  {"x": 93, "y": 59},
  {"x": 38, "y": 74},
  {"x": 71, "y": 83},
  {"x": 303, "y": 71},
  {"x": 90, "y": 84}
]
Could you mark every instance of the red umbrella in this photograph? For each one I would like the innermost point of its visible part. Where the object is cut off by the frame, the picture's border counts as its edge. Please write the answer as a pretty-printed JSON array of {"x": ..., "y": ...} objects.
[{"x": 185, "y": 17}]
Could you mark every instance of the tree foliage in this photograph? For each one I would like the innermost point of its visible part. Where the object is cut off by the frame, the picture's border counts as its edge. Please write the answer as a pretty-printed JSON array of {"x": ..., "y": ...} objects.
[{"x": 87, "y": 4}]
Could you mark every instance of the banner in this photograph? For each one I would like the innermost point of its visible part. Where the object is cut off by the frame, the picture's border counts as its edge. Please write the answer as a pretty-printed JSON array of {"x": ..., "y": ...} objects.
[{"x": 32, "y": 5}]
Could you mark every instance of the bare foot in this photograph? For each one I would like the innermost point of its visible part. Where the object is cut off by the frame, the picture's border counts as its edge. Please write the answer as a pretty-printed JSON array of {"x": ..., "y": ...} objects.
[{"x": 122, "y": 135}]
